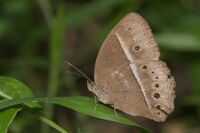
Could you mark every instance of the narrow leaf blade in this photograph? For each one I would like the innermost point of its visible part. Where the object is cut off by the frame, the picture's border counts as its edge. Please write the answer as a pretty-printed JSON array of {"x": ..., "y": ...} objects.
[
  {"x": 6, "y": 118},
  {"x": 80, "y": 104}
]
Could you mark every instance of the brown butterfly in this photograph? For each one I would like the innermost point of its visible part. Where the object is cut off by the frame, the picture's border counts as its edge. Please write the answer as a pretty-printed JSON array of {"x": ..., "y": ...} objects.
[{"x": 129, "y": 74}]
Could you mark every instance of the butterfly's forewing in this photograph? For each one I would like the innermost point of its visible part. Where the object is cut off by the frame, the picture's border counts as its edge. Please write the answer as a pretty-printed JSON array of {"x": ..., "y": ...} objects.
[{"x": 129, "y": 74}]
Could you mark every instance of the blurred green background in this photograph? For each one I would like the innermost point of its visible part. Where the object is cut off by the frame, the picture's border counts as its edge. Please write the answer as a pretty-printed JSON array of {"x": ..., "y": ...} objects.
[{"x": 36, "y": 36}]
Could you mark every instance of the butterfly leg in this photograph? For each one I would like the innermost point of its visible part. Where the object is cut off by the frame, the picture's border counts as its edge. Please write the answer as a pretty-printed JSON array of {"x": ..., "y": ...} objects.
[
  {"x": 96, "y": 103},
  {"x": 115, "y": 113}
]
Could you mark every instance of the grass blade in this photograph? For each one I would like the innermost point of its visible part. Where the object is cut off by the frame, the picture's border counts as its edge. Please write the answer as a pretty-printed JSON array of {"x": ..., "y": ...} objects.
[
  {"x": 49, "y": 122},
  {"x": 55, "y": 54}
]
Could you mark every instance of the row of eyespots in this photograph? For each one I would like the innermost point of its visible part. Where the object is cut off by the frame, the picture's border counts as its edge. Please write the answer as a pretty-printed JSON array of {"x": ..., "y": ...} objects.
[
  {"x": 145, "y": 67},
  {"x": 156, "y": 95}
]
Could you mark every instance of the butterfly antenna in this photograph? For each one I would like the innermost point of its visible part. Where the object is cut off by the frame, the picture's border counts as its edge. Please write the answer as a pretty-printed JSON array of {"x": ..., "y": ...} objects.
[
  {"x": 77, "y": 74},
  {"x": 78, "y": 70}
]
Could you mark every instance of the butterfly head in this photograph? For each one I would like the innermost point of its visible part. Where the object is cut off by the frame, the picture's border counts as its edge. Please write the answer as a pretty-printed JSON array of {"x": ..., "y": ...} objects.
[{"x": 91, "y": 85}]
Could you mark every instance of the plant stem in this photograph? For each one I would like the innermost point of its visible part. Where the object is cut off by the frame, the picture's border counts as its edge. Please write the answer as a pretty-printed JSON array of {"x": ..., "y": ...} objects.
[
  {"x": 46, "y": 10},
  {"x": 55, "y": 54},
  {"x": 56, "y": 28}
]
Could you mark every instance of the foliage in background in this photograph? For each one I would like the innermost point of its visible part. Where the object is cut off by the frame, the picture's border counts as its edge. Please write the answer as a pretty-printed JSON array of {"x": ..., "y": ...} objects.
[{"x": 36, "y": 37}]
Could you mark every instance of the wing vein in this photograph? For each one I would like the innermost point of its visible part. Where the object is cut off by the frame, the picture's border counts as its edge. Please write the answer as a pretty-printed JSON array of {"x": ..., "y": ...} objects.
[{"x": 132, "y": 65}]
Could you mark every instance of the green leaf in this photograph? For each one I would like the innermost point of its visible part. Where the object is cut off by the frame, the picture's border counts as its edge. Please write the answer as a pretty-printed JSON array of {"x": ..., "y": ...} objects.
[
  {"x": 9, "y": 89},
  {"x": 80, "y": 104},
  {"x": 6, "y": 118}
]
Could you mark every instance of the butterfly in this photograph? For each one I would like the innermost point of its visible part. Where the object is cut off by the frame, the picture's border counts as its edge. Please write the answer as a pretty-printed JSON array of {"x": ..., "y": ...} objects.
[{"x": 128, "y": 73}]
